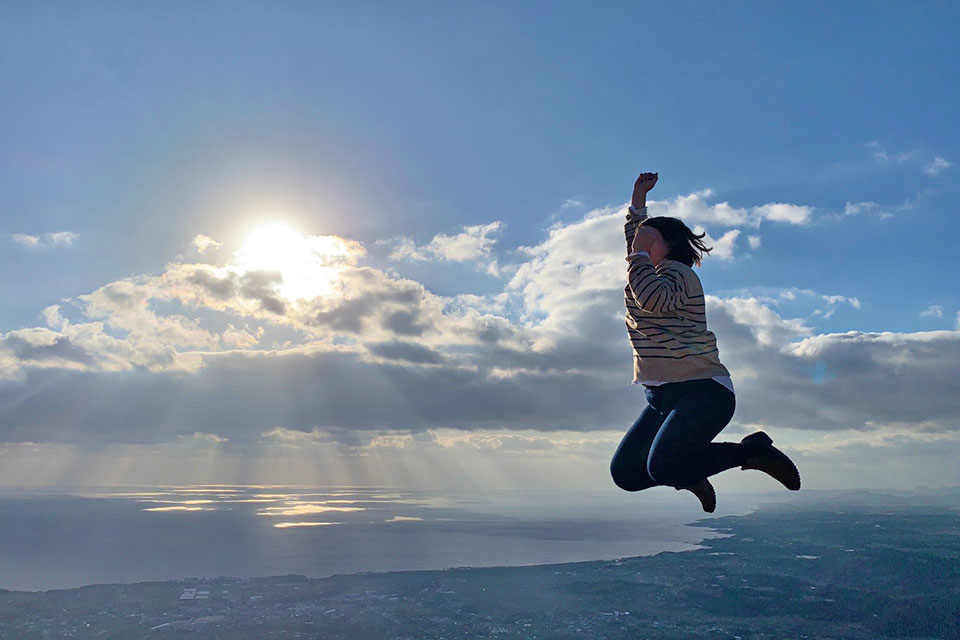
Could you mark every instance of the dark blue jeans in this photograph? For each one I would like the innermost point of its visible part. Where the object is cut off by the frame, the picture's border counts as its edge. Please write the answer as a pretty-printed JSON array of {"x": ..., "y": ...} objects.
[{"x": 670, "y": 443}]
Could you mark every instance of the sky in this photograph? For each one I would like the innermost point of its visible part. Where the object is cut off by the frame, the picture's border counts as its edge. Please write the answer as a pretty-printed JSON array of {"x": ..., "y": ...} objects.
[{"x": 380, "y": 243}]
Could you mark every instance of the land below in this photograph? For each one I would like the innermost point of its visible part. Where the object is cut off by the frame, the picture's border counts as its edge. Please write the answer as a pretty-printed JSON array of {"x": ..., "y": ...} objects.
[{"x": 854, "y": 565}]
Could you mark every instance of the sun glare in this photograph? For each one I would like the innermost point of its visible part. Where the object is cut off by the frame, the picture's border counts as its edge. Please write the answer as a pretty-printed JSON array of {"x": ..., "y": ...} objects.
[
  {"x": 309, "y": 265},
  {"x": 270, "y": 247}
]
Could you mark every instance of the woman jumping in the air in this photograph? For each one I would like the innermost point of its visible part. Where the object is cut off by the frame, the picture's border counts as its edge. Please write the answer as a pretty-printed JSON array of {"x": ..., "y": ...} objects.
[{"x": 689, "y": 392}]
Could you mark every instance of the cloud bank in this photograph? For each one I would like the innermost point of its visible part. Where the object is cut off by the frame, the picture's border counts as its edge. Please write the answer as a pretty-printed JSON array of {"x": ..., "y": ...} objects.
[{"x": 377, "y": 359}]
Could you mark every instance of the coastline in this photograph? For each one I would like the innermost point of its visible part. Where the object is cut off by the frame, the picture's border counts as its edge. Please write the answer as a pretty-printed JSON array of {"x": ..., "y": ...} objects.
[{"x": 58, "y": 541}]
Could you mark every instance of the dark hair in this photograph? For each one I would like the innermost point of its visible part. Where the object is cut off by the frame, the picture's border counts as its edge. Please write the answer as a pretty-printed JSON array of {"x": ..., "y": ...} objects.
[{"x": 683, "y": 245}]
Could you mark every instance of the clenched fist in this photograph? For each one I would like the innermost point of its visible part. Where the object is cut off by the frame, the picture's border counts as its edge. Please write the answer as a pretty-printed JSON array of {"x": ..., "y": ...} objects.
[{"x": 644, "y": 183}]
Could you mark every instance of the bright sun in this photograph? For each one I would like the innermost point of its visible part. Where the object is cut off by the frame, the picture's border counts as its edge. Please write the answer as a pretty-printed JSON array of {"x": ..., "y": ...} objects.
[
  {"x": 269, "y": 247},
  {"x": 308, "y": 264}
]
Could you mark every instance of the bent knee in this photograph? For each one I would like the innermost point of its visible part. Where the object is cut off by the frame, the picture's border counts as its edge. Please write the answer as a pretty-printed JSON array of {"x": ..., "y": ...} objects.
[{"x": 628, "y": 480}]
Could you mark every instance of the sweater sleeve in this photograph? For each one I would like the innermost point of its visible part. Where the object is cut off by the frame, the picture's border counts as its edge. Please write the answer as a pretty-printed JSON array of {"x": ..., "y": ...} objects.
[
  {"x": 634, "y": 218},
  {"x": 655, "y": 292}
]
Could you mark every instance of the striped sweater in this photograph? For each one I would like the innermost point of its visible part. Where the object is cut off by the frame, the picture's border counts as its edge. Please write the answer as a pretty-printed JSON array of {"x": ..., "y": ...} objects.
[{"x": 666, "y": 318}]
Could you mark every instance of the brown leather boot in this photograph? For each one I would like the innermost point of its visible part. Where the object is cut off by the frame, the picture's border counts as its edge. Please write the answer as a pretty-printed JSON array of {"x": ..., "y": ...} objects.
[
  {"x": 763, "y": 456},
  {"x": 704, "y": 491}
]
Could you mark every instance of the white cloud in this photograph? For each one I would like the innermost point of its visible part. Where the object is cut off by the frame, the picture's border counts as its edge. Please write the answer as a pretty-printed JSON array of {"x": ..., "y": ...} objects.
[
  {"x": 495, "y": 269},
  {"x": 854, "y": 208},
  {"x": 52, "y": 317},
  {"x": 937, "y": 166},
  {"x": 833, "y": 301},
  {"x": 240, "y": 338},
  {"x": 61, "y": 238},
  {"x": 798, "y": 298},
  {"x": 881, "y": 437},
  {"x": 932, "y": 168},
  {"x": 754, "y": 242},
  {"x": 205, "y": 243},
  {"x": 764, "y": 326},
  {"x": 46, "y": 240},
  {"x": 26, "y": 240},
  {"x": 724, "y": 247},
  {"x": 933, "y": 311},
  {"x": 487, "y": 304},
  {"x": 881, "y": 155},
  {"x": 693, "y": 208},
  {"x": 199, "y": 439},
  {"x": 783, "y": 212},
  {"x": 472, "y": 243}
]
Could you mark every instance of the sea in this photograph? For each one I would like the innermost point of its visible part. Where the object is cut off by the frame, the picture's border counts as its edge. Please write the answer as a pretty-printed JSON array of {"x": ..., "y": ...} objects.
[{"x": 57, "y": 538}]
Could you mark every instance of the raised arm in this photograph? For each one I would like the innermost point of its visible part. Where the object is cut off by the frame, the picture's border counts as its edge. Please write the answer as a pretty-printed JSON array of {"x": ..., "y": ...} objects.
[{"x": 638, "y": 206}]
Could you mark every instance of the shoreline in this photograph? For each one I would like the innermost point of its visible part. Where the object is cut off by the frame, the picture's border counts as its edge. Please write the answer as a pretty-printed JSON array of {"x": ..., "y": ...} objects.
[
  {"x": 541, "y": 537},
  {"x": 701, "y": 524}
]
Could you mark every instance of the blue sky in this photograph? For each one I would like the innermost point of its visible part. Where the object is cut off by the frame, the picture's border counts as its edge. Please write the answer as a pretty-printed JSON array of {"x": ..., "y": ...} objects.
[{"x": 476, "y": 157}]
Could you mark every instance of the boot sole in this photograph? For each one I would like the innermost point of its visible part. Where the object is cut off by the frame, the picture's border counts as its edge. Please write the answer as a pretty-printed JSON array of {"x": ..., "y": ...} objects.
[{"x": 764, "y": 444}]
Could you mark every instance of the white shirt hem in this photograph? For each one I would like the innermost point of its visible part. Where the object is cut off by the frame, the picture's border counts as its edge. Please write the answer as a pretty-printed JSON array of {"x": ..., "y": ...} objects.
[{"x": 724, "y": 380}]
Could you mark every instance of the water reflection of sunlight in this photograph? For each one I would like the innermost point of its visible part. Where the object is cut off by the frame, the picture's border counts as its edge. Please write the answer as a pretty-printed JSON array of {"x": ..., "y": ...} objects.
[
  {"x": 299, "y": 509},
  {"x": 125, "y": 494},
  {"x": 404, "y": 519},
  {"x": 180, "y": 501},
  {"x": 284, "y": 502},
  {"x": 210, "y": 489}
]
